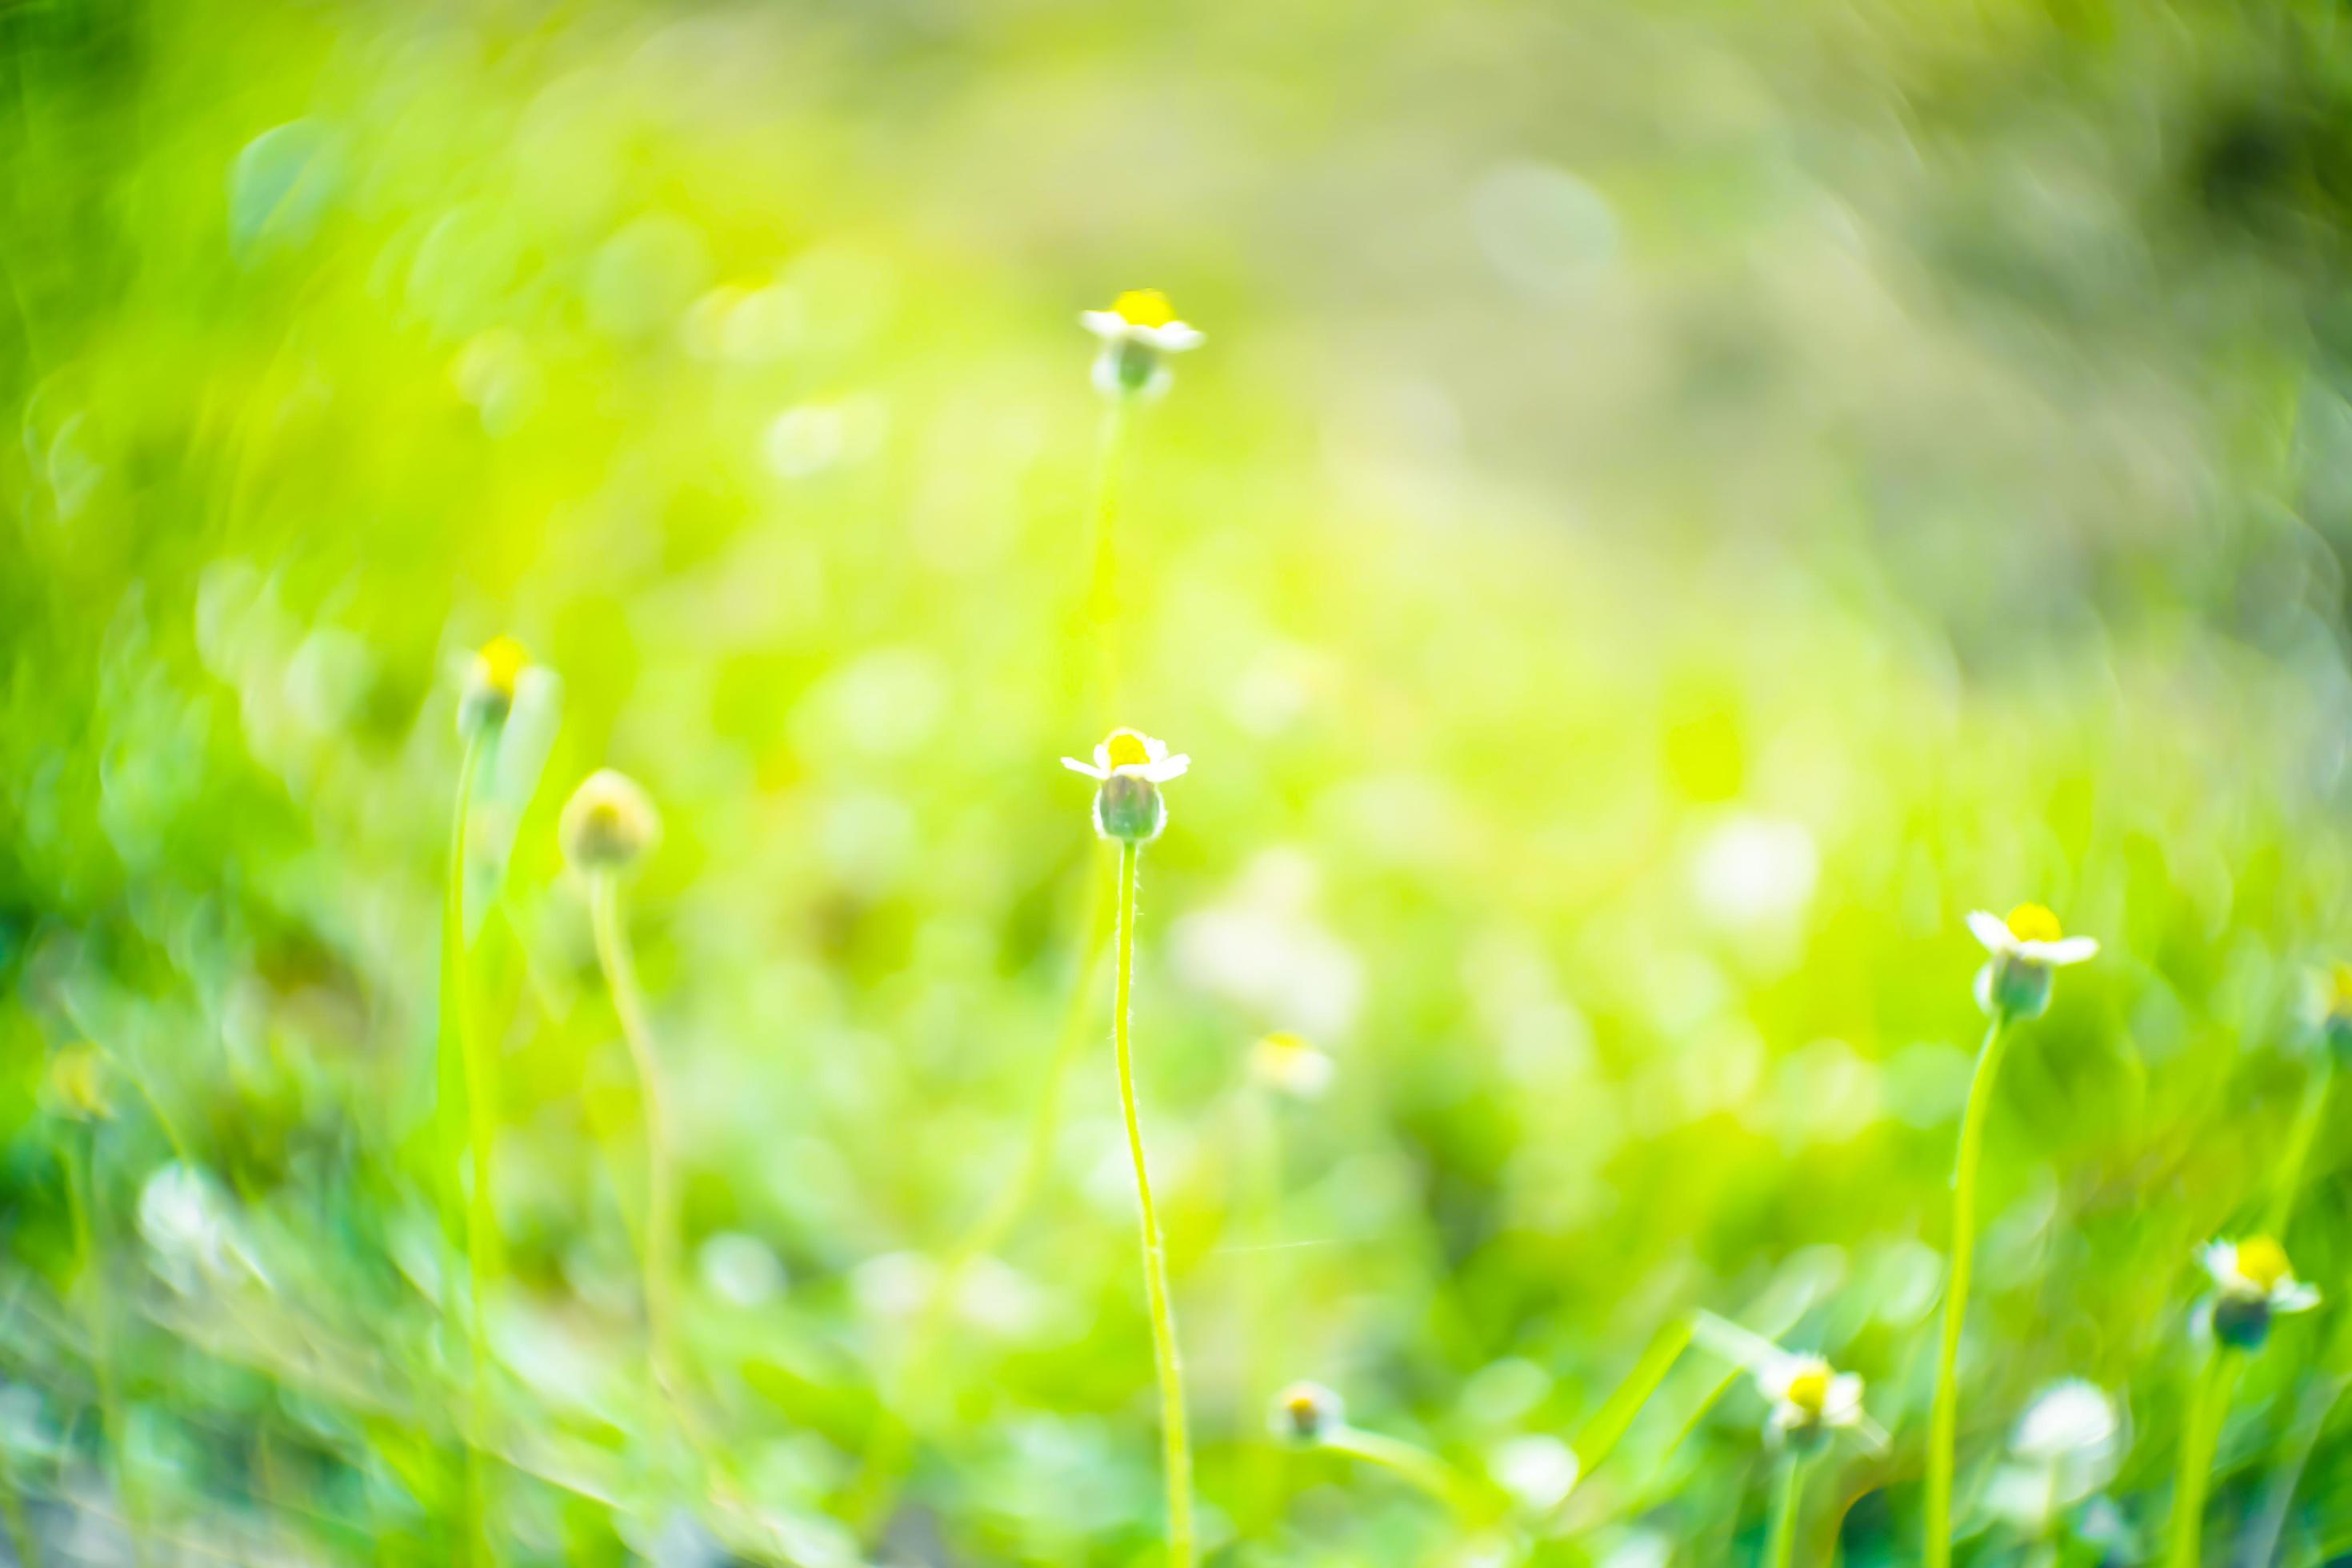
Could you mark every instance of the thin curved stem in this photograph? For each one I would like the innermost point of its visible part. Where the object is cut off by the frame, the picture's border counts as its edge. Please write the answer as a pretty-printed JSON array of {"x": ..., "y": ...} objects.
[
  {"x": 660, "y": 1255},
  {"x": 1415, "y": 1464},
  {"x": 2200, "y": 1436},
  {"x": 465, "y": 1073},
  {"x": 1944, "y": 1426},
  {"x": 1177, "y": 1452},
  {"x": 2300, "y": 1137},
  {"x": 891, "y": 1442},
  {"x": 1608, "y": 1424},
  {"x": 1102, "y": 592},
  {"x": 1780, "y": 1543}
]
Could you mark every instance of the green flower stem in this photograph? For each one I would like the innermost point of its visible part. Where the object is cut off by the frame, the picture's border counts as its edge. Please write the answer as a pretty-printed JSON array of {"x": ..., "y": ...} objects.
[
  {"x": 1781, "y": 1542},
  {"x": 1417, "y": 1465},
  {"x": 1944, "y": 1424},
  {"x": 1608, "y": 1424},
  {"x": 660, "y": 1258},
  {"x": 2201, "y": 1435},
  {"x": 78, "y": 1151},
  {"x": 892, "y": 1440},
  {"x": 465, "y": 1073},
  {"x": 1177, "y": 1454},
  {"x": 2307, "y": 1119},
  {"x": 1102, "y": 593}
]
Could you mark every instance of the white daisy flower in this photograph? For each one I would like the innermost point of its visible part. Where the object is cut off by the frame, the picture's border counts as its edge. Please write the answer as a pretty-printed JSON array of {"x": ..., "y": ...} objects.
[
  {"x": 1134, "y": 754},
  {"x": 1138, "y": 333},
  {"x": 1811, "y": 1398},
  {"x": 2253, "y": 1283},
  {"x": 1131, "y": 767},
  {"x": 2025, "y": 948}
]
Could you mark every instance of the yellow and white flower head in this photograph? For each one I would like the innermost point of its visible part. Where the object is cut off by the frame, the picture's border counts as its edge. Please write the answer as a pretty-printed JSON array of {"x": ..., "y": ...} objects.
[
  {"x": 492, "y": 677},
  {"x": 2331, "y": 1008},
  {"x": 1138, "y": 332},
  {"x": 2025, "y": 947},
  {"x": 1287, "y": 1065},
  {"x": 2254, "y": 1282},
  {"x": 609, "y": 823},
  {"x": 1811, "y": 1400},
  {"x": 1131, "y": 766},
  {"x": 1306, "y": 1414}
]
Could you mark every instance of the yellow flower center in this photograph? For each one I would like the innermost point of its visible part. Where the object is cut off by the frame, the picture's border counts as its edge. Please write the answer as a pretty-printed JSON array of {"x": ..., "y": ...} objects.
[
  {"x": 1144, "y": 307},
  {"x": 2263, "y": 1261},
  {"x": 2031, "y": 923},
  {"x": 1127, "y": 750},
  {"x": 503, "y": 662},
  {"x": 1283, "y": 1043},
  {"x": 1809, "y": 1390}
]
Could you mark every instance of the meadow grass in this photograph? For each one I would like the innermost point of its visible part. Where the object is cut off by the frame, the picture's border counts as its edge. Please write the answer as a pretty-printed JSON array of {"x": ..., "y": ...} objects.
[{"x": 1672, "y": 514}]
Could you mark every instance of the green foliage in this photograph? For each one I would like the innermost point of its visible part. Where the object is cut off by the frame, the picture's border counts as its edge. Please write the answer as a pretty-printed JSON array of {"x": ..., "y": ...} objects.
[{"x": 1677, "y": 506}]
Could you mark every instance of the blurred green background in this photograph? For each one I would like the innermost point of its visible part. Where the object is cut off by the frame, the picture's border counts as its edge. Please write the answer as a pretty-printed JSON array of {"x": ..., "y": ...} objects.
[{"x": 1679, "y": 503}]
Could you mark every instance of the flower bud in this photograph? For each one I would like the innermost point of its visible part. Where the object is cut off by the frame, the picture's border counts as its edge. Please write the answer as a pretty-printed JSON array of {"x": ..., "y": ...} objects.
[
  {"x": 1306, "y": 1412},
  {"x": 609, "y": 823},
  {"x": 2242, "y": 1322},
  {"x": 490, "y": 682},
  {"x": 1130, "y": 809},
  {"x": 2014, "y": 986}
]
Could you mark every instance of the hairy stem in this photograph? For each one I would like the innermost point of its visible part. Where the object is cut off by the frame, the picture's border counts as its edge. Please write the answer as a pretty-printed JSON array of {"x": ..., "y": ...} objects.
[
  {"x": 891, "y": 1441},
  {"x": 2300, "y": 1137},
  {"x": 659, "y": 1259},
  {"x": 467, "y": 1073},
  {"x": 1944, "y": 1424},
  {"x": 1102, "y": 593},
  {"x": 1177, "y": 1455},
  {"x": 1781, "y": 1542},
  {"x": 2200, "y": 1434}
]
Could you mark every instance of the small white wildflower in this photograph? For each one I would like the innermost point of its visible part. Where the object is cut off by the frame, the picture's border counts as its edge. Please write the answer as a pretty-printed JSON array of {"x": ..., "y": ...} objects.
[
  {"x": 1811, "y": 1399},
  {"x": 2254, "y": 1282},
  {"x": 2025, "y": 948},
  {"x": 1138, "y": 333},
  {"x": 1130, "y": 768}
]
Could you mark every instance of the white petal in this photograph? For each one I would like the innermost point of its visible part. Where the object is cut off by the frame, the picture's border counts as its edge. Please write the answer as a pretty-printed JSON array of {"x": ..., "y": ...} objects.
[
  {"x": 1166, "y": 768},
  {"x": 2066, "y": 949},
  {"x": 1843, "y": 1405},
  {"x": 1175, "y": 338},
  {"x": 2294, "y": 1296},
  {"x": 1077, "y": 766},
  {"x": 1102, "y": 759},
  {"x": 1993, "y": 930},
  {"x": 1154, "y": 750},
  {"x": 2220, "y": 1260},
  {"x": 1107, "y": 325}
]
